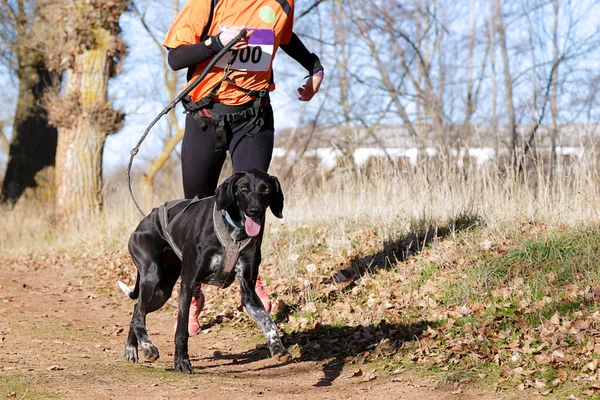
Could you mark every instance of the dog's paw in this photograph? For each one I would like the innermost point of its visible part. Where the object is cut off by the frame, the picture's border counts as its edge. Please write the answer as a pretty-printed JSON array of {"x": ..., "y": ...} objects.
[
  {"x": 131, "y": 353},
  {"x": 279, "y": 352},
  {"x": 150, "y": 351},
  {"x": 284, "y": 357},
  {"x": 184, "y": 365}
]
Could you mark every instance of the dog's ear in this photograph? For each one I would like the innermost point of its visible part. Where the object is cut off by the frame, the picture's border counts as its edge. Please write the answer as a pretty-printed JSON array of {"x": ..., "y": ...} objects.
[
  {"x": 224, "y": 196},
  {"x": 276, "y": 199}
]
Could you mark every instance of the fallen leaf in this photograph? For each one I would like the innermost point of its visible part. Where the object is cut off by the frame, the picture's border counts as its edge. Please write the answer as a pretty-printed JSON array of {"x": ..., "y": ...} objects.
[
  {"x": 542, "y": 359},
  {"x": 539, "y": 384},
  {"x": 369, "y": 377},
  {"x": 558, "y": 354},
  {"x": 562, "y": 374},
  {"x": 486, "y": 244},
  {"x": 592, "y": 365}
]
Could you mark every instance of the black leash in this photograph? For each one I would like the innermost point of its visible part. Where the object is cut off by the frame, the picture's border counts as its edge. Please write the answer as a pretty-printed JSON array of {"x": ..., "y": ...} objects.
[{"x": 172, "y": 105}]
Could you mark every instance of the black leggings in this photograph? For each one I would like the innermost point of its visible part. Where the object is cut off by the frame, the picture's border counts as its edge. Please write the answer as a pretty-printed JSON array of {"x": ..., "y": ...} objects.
[{"x": 201, "y": 165}]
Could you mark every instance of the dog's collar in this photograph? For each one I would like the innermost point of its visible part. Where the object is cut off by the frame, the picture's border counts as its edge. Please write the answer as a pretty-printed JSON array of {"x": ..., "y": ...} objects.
[{"x": 235, "y": 224}]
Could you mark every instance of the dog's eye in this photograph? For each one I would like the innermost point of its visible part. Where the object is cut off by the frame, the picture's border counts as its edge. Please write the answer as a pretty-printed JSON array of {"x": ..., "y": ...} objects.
[
  {"x": 244, "y": 188},
  {"x": 267, "y": 189}
]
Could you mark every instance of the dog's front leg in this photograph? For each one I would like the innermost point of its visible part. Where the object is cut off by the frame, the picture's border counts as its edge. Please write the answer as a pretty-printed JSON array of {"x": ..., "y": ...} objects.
[
  {"x": 182, "y": 359},
  {"x": 257, "y": 311}
]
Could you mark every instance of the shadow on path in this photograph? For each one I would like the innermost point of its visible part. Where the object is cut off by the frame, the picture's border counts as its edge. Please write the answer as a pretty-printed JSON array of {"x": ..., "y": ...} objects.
[
  {"x": 336, "y": 343},
  {"x": 398, "y": 250}
]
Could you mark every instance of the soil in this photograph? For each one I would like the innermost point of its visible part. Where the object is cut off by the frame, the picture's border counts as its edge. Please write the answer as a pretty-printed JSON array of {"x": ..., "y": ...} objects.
[{"x": 62, "y": 337}]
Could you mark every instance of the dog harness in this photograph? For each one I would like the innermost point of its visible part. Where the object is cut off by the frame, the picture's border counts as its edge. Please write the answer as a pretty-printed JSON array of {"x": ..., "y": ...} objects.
[{"x": 224, "y": 276}]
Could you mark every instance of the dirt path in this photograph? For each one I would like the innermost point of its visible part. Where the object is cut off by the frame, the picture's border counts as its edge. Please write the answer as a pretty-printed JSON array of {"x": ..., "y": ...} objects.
[{"x": 61, "y": 338}]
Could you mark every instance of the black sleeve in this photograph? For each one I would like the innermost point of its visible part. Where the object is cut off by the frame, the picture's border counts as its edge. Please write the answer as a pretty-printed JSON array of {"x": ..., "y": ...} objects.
[
  {"x": 298, "y": 51},
  {"x": 189, "y": 55}
]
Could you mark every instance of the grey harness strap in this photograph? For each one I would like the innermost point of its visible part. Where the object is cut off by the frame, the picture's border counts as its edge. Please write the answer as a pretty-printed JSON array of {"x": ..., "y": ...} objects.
[
  {"x": 167, "y": 226},
  {"x": 223, "y": 278}
]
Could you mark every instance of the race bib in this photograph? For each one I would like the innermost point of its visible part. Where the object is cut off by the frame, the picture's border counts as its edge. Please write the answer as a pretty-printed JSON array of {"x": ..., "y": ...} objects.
[{"x": 256, "y": 57}]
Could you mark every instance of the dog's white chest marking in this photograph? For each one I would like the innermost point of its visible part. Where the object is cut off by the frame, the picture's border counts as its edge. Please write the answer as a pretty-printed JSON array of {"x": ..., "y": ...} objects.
[{"x": 215, "y": 261}]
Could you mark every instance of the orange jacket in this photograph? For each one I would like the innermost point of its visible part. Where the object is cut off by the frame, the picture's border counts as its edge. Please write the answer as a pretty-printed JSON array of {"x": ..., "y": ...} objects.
[{"x": 272, "y": 21}]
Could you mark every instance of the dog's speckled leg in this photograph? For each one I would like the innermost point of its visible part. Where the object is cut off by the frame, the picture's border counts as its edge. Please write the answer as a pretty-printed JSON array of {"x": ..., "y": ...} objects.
[
  {"x": 131, "y": 350},
  {"x": 257, "y": 311}
]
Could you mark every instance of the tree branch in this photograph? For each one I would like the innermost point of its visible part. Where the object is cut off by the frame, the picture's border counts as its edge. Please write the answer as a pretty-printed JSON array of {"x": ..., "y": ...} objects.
[
  {"x": 12, "y": 12},
  {"x": 3, "y": 138},
  {"x": 309, "y": 9}
]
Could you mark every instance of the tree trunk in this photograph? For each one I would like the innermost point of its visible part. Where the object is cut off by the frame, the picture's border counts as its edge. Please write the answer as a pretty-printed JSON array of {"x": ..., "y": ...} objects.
[
  {"x": 554, "y": 95},
  {"x": 33, "y": 143},
  {"x": 508, "y": 84},
  {"x": 3, "y": 139},
  {"x": 494, "y": 94},
  {"x": 80, "y": 144}
]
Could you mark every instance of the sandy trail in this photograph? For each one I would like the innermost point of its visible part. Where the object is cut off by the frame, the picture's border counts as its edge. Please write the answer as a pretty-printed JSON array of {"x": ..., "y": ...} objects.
[{"x": 61, "y": 338}]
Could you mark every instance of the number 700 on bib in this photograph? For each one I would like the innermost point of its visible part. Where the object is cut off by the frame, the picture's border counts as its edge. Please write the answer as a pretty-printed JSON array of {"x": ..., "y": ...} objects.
[{"x": 256, "y": 57}]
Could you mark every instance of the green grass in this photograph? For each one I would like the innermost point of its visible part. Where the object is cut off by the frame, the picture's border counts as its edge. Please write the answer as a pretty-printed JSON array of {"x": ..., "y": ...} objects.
[
  {"x": 23, "y": 387},
  {"x": 428, "y": 271},
  {"x": 545, "y": 262}
]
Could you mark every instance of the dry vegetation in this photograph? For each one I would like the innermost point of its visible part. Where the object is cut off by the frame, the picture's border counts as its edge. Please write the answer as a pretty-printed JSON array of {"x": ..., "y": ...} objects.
[{"x": 468, "y": 273}]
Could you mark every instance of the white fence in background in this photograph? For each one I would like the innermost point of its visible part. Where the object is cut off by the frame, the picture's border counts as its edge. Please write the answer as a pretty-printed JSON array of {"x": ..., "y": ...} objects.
[{"x": 328, "y": 156}]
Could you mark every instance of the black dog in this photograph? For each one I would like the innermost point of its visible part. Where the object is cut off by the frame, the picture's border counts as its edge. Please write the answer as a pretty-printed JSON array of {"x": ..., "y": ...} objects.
[{"x": 197, "y": 231}]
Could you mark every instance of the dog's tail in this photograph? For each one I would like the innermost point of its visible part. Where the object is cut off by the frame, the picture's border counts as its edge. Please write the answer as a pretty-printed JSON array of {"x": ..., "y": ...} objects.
[{"x": 133, "y": 294}]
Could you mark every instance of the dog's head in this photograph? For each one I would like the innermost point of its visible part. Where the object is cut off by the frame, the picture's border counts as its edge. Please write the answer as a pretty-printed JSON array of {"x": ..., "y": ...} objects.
[{"x": 252, "y": 192}]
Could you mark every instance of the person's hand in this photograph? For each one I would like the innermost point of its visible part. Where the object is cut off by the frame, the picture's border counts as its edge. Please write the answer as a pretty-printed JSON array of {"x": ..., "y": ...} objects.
[
  {"x": 310, "y": 88},
  {"x": 229, "y": 34}
]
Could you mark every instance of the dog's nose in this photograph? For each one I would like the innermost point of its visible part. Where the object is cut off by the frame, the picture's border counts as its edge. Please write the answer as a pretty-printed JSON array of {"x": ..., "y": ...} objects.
[{"x": 254, "y": 210}]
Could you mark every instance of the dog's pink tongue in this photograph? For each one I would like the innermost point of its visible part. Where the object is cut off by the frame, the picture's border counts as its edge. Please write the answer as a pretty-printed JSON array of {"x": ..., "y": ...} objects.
[{"x": 252, "y": 226}]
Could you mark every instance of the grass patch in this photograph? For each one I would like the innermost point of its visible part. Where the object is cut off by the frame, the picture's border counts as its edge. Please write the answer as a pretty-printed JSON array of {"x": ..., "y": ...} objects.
[
  {"x": 549, "y": 261},
  {"x": 19, "y": 386}
]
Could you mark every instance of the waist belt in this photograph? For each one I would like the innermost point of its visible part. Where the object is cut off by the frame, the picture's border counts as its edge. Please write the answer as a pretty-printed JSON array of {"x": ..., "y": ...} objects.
[{"x": 224, "y": 276}]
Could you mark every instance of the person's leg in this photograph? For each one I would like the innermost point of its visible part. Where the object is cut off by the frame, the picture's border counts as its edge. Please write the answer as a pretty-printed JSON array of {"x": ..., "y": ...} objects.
[
  {"x": 200, "y": 168},
  {"x": 200, "y": 164},
  {"x": 255, "y": 151}
]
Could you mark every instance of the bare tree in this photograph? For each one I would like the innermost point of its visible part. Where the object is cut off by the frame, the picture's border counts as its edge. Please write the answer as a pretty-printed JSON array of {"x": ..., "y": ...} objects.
[
  {"x": 87, "y": 52},
  {"x": 424, "y": 58},
  {"x": 554, "y": 95},
  {"x": 508, "y": 81},
  {"x": 493, "y": 78},
  {"x": 3, "y": 140},
  {"x": 33, "y": 141}
]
